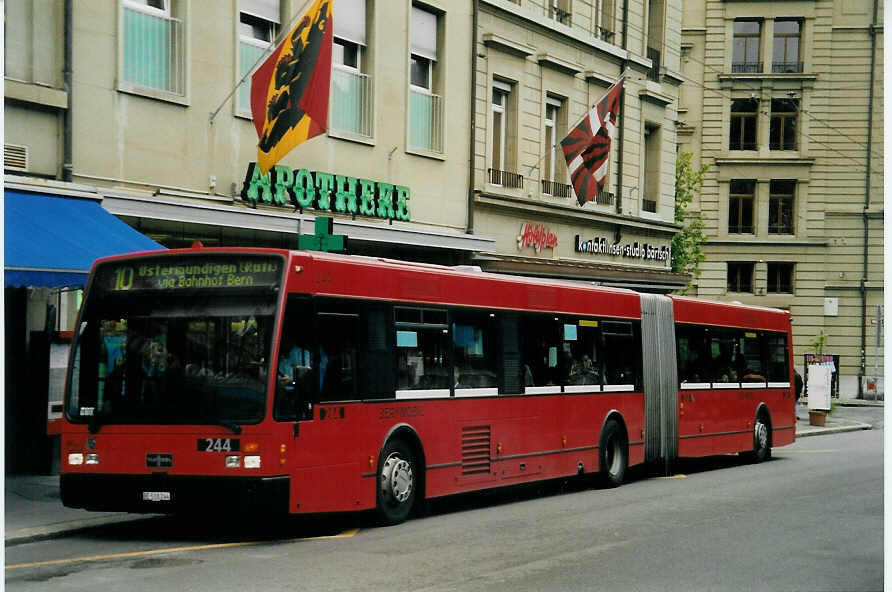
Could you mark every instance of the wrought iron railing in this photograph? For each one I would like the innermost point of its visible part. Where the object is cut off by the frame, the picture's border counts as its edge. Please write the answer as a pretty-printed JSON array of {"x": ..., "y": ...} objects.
[
  {"x": 154, "y": 54},
  {"x": 605, "y": 34},
  {"x": 505, "y": 179},
  {"x": 654, "y": 56},
  {"x": 605, "y": 198},
  {"x": 746, "y": 67},
  {"x": 555, "y": 189},
  {"x": 787, "y": 67},
  {"x": 649, "y": 205},
  {"x": 352, "y": 102}
]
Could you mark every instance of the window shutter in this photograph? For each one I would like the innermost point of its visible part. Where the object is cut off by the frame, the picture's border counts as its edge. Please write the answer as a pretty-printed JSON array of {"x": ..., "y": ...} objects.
[
  {"x": 424, "y": 33},
  {"x": 349, "y": 20}
]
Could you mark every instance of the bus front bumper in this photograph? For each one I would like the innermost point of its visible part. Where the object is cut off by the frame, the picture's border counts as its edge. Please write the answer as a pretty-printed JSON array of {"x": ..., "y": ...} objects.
[{"x": 166, "y": 494}]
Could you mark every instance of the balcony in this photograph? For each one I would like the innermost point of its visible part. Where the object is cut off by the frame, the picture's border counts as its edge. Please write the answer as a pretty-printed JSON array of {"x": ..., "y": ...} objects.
[
  {"x": 649, "y": 205},
  {"x": 787, "y": 67},
  {"x": 555, "y": 189},
  {"x": 505, "y": 179},
  {"x": 425, "y": 121},
  {"x": 562, "y": 16},
  {"x": 352, "y": 108},
  {"x": 746, "y": 67},
  {"x": 153, "y": 52},
  {"x": 605, "y": 35}
]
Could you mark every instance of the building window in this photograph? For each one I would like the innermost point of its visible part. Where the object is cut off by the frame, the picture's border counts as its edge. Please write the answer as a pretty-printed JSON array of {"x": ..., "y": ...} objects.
[
  {"x": 745, "y": 54},
  {"x": 740, "y": 277},
  {"x": 606, "y": 20},
  {"x": 780, "y": 278},
  {"x": 780, "y": 206},
  {"x": 652, "y": 141},
  {"x": 352, "y": 105},
  {"x": 559, "y": 10},
  {"x": 258, "y": 27},
  {"x": 741, "y": 199},
  {"x": 552, "y": 181},
  {"x": 655, "y": 19},
  {"x": 425, "y": 107},
  {"x": 783, "y": 124},
  {"x": 153, "y": 47},
  {"x": 785, "y": 56},
  {"x": 743, "y": 124},
  {"x": 501, "y": 156}
]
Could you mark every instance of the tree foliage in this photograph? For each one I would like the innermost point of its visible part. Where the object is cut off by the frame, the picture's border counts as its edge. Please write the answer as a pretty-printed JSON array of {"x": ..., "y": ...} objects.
[{"x": 687, "y": 245}]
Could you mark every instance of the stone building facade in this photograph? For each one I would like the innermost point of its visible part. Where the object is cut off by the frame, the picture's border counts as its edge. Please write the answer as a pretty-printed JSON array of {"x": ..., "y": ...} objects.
[{"x": 784, "y": 102}]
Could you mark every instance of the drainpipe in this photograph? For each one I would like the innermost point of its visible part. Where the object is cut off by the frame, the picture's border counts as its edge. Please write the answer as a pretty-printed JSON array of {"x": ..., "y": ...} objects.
[
  {"x": 864, "y": 216},
  {"x": 622, "y": 119},
  {"x": 473, "y": 112},
  {"x": 67, "y": 165}
]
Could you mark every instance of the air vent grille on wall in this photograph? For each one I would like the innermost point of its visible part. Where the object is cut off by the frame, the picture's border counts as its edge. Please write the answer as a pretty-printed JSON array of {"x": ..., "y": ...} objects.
[{"x": 15, "y": 157}]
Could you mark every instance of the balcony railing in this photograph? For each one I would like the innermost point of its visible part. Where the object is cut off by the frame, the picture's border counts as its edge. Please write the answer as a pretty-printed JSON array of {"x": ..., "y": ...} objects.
[
  {"x": 352, "y": 107},
  {"x": 649, "y": 205},
  {"x": 605, "y": 34},
  {"x": 505, "y": 179},
  {"x": 248, "y": 56},
  {"x": 556, "y": 189},
  {"x": 562, "y": 16},
  {"x": 604, "y": 198},
  {"x": 154, "y": 52},
  {"x": 746, "y": 67},
  {"x": 787, "y": 67},
  {"x": 425, "y": 121}
]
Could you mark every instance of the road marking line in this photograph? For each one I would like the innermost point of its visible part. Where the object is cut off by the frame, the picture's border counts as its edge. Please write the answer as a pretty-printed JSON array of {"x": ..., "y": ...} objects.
[
  {"x": 670, "y": 477},
  {"x": 110, "y": 556},
  {"x": 808, "y": 451}
]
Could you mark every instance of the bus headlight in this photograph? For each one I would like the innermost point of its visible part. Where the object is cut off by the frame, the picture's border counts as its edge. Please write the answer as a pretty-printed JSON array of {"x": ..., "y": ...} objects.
[
  {"x": 75, "y": 458},
  {"x": 252, "y": 462},
  {"x": 91, "y": 458},
  {"x": 233, "y": 461}
]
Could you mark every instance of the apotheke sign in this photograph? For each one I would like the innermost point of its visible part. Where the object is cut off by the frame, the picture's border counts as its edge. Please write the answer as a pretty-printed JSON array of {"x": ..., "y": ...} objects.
[
  {"x": 317, "y": 190},
  {"x": 634, "y": 250}
]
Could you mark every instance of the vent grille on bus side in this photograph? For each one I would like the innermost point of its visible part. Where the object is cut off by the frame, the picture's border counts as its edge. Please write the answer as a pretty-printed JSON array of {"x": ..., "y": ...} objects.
[{"x": 475, "y": 450}]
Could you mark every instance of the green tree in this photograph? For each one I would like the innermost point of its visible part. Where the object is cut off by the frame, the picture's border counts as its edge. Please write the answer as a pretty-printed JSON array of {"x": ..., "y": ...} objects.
[{"x": 687, "y": 245}]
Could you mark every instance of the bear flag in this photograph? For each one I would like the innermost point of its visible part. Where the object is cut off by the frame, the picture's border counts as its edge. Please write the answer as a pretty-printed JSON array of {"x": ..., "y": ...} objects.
[
  {"x": 289, "y": 92},
  {"x": 587, "y": 146}
]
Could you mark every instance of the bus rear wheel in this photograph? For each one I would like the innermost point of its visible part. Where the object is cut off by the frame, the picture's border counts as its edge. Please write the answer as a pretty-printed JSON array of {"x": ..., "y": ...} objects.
[
  {"x": 397, "y": 482},
  {"x": 761, "y": 439},
  {"x": 613, "y": 454}
]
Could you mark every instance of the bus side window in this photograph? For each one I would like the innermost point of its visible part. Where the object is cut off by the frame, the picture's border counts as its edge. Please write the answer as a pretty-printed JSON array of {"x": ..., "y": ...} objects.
[
  {"x": 422, "y": 349},
  {"x": 692, "y": 359},
  {"x": 297, "y": 382},
  {"x": 337, "y": 325},
  {"x": 512, "y": 364},
  {"x": 474, "y": 350},
  {"x": 621, "y": 353},
  {"x": 581, "y": 341},
  {"x": 776, "y": 344},
  {"x": 541, "y": 350},
  {"x": 376, "y": 356}
]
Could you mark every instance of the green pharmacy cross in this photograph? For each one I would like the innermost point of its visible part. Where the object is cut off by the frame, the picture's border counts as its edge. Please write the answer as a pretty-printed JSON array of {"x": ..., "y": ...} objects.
[{"x": 322, "y": 239}]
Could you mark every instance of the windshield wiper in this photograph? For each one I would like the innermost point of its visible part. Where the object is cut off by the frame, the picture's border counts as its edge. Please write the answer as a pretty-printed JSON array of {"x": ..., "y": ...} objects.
[
  {"x": 229, "y": 425},
  {"x": 95, "y": 423}
]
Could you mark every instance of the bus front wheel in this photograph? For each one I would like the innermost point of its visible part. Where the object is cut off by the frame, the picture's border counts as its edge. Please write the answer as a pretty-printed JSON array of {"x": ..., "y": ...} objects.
[
  {"x": 397, "y": 482},
  {"x": 613, "y": 453}
]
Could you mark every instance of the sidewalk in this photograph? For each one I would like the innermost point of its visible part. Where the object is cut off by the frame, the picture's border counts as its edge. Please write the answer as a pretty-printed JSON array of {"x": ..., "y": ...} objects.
[{"x": 35, "y": 512}]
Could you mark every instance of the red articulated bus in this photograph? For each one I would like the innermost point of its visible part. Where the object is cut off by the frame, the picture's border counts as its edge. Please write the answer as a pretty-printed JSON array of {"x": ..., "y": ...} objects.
[{"x": 306, "y": 382}]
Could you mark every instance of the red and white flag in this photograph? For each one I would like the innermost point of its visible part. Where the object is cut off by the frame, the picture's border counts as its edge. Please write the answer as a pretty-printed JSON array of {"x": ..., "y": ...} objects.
[{"x": 587, "y": 146}]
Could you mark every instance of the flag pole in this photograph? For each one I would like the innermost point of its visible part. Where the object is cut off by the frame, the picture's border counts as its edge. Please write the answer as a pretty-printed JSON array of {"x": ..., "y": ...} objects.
[
  {"x": 272, "y": 46},
  {"x": 535, "y": 165}
]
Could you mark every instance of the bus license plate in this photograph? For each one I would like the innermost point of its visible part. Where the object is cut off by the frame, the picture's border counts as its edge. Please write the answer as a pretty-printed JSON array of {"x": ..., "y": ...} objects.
[{"x": 156, "y": 496}]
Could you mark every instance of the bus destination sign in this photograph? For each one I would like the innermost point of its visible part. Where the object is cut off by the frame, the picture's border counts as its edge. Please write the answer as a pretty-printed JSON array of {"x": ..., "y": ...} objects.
[{"x": 190, "y": 273}]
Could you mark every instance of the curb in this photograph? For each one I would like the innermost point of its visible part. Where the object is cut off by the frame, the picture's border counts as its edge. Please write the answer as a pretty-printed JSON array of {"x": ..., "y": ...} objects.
[
  {"x": 819, "y": 431},
  {"x": 51, "y": 531}
]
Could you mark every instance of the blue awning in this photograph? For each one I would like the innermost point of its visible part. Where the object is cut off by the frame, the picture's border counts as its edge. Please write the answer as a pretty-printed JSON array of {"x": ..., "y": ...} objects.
[{"x": 52, "y": 241}]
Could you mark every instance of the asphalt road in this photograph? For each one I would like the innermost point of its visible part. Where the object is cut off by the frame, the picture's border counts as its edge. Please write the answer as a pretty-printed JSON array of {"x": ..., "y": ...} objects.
[{"x": 809, "y": 519}]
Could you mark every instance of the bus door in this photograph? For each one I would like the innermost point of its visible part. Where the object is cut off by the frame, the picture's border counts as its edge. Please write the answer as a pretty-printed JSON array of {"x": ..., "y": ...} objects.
[{"x": 660, "y": 378}]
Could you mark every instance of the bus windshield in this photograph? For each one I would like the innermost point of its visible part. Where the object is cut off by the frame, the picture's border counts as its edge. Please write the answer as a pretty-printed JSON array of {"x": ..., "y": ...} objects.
[{"x": 190, "y": 352}]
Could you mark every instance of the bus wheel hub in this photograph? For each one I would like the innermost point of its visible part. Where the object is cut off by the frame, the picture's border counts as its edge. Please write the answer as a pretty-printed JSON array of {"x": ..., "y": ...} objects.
[{"x": 396, "y": 478}]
